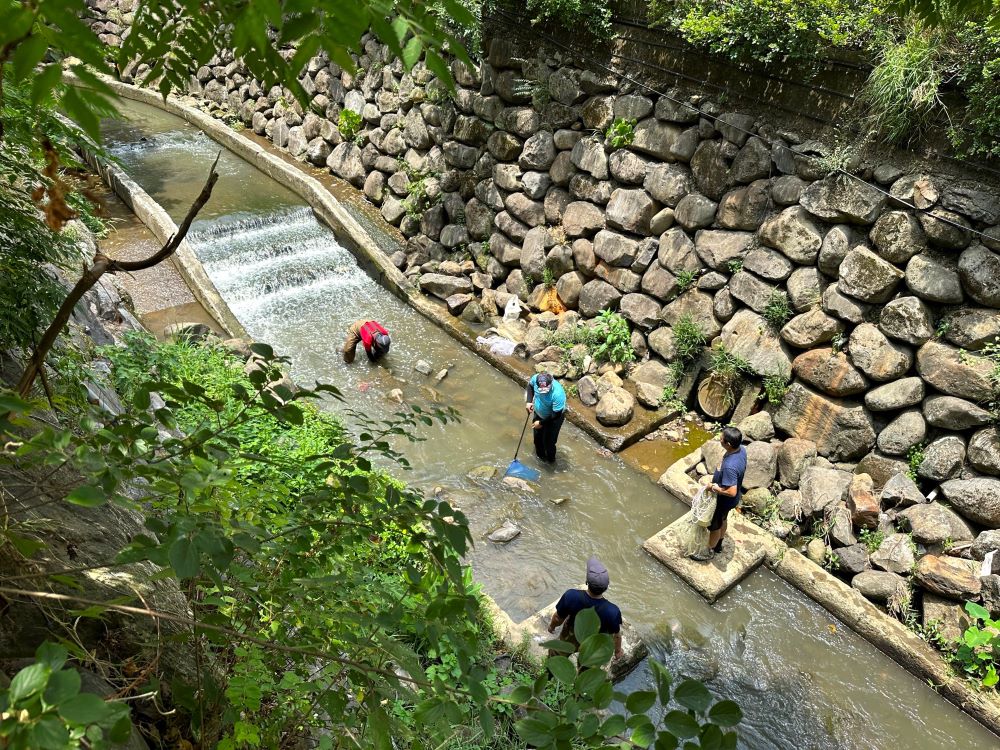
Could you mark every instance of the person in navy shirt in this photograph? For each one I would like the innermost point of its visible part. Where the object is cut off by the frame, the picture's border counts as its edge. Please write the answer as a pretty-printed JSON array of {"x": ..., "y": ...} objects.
[
  {"x": 547, "y": 399},
  {"x": 727, "y": 484},
  {"x": 575, "y": 601}
]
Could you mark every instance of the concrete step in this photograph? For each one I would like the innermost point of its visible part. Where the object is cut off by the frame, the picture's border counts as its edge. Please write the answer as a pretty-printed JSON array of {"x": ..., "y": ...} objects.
[{"x": 745, "y": 548}]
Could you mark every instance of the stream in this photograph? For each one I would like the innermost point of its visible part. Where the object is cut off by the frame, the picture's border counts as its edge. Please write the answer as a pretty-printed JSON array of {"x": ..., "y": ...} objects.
[{"x": 802, "y": 678}]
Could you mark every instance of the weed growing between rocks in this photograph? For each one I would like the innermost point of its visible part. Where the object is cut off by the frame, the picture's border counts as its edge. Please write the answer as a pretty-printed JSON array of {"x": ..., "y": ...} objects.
[
  {"x": 620, "y": 133},
  {"x": 349, "y": 124},
  {"x": 778, "y": 310},
  {"x": 914, "y": 457},
  {"x": 978, "y": 652},
  {"x": 685, "y": 280},
  {"x": 775, "y": 388},
  {"x": 872, "y": 539},
  {"x": 689, "y": 340},
  {"x": 611, "y": 339}
]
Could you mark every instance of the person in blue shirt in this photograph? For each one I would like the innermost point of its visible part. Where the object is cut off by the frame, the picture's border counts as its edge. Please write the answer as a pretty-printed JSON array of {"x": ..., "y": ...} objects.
[
  {"x": 575, "y": 601},
  {"x": 547, "y": 399},
  {"x": 727, "y": 484}
]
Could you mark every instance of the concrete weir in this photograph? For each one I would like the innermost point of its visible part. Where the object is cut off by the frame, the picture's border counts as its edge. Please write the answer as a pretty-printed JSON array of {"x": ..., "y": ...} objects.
[{"x": 755, "y": 546}]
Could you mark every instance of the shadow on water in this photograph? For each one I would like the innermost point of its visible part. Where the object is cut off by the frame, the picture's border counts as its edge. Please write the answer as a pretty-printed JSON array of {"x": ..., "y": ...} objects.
[{"x": 802, "y": 679}]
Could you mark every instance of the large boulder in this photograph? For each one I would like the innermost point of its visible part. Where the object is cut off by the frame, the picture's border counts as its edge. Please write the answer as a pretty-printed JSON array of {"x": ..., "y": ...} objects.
[
  {"x": 880, "y": 468},
  {"x": 762, "y": 465},
  {"x": 830, "y": 371},
  {"x": 894, "y": 555},
  {"x": 597, "y": 295},
  {"x": 895, "y": 395},
  {"x": 616, "y": 407},
  {"x": 935, "y": 279},
  {"x": 901, "y": 491},
  {"x": 743, "y": 208},
  {"x": 641, "y": 309},
  {"x": 631, "y": 210},
  {"x": 980, "y": 272},
  {"x": 903, "y": 433},
  {"x": 677, "y": 253},
  {"x": 907, "y": 319},
  {"x": 627, "y": 167},
  {"x": 984, "y": 451},
  {"x": 933, "y": 523},
  {"x": 841, "y": 430},
  {"x": 971, "y": 327},
  {"x": 898, "y": 237},
  {"x": 954, "y": 372},
  {"x": 668, "y": 183},
  {"x": 768, "y": 264},
  {"x": 695, "y": 211},
  {"x": 443, "y": 286},
  {"x": 588, "y": 156},
  {"x": 345, "y": 162},
  {"x": 615, "y": 249},
  {"x": 751, "y": 291},
  {"x": 865, "y": 276},
  {"x": 656, "y": 138},
  {"x": 659, "y": 282},
  {"x": 822, "y": 488},
  {"x": 718, "y": 247},
  {"x": 582, "y": 219},
  {"x": 863, "y": 502},
  {"x": 877, "y": 357},
  {"x": 793, "y": 455},
  {"x": 878, "y": 585},
  {"x": 950, "y": 577},
  {"x": 747, "y": 335},
  {"x": 697, "y": 305},
  {"x": 952, "y": 413},
  {"x": 841, "y": 197},
  {"x": 943, "y": 458},
  {"x": 811, "y": 329},
  {"x": 794, "y": 233},
  {"x": 977, "y": 499},
  {"x": 539, "y": 151},
  {"x": 844, "y": 307}
]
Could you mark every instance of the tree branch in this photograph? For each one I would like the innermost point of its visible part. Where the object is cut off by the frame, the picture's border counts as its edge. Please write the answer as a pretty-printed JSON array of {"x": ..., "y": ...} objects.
[{"x": 102, "y": 265}]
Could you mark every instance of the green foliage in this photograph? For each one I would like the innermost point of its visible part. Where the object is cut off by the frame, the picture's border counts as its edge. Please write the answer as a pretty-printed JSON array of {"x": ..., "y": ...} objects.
[
  {"x": 548, "y": 279},
  {"x": 592, "y": 16},
  {"x": 735, "y": 265},
  {"x": 766, "y": 30},
  {"x": 669, "y": 396},
  {"x": 52, "y": 713},
  {"x": 419, "y": 195},
  {"x": 727, "y": 369},
  {"x": 689, "y": 339},
  {"x": 349, "y": 124},
  {"x": 537, "y": 91},
  {"x": 620, "y": 133},
  {"x": 610, "y": 339},
  {"x": 778, "y": 310},
  {"x": 992, "y": 352},
  {"x": 775, "y": 388},
  {"x": 30, "y": 238},
  {"x": 580, "y": 718},
  {"x": 684, "y": 280},
  {"x": 901, "y": 97},
  {"x": 871, "y": 539},
  {"x": 914, "y": 457},
  {"x": 978, "y": 652}
]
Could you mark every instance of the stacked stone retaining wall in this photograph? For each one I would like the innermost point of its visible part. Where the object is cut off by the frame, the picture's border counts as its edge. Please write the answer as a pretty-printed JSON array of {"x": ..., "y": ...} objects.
[{"x": 870, "y": 293}]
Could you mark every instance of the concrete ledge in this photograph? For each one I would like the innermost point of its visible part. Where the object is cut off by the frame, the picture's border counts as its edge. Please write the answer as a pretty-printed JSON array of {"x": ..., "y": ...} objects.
[
  {"x": 152, "y": 214},
  {"x": 744, "y": 550},
  {"x": 886, "y": 633}
]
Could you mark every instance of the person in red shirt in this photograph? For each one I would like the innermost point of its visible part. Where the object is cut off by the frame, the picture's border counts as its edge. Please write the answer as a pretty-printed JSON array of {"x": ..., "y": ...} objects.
[{"x": 369, "y": 334}]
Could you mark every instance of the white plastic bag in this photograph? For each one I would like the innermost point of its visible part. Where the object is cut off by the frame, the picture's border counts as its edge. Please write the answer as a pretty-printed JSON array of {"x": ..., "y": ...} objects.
[{"x": 512, "y": 310}]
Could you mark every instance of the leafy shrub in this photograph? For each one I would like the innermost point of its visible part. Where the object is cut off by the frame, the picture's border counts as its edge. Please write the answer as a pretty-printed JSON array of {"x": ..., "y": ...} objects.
[
  {"x": 871, "y": 539},
  {"x": 727, "y": 369},
  {"x": 592, "y": 16},
  {"x": 689, "y": 339},
  {"x": 901, "y": 96},
  {"x": 610, "y": 338},
  {"x": 620, "y": 133},
  {"x": 978, "y": 652},
  {"x": 778, "y": 309},
  {"x": 775, "y": 388},
  {"x": 349, "y": 124},
  {"x": 769, "y": 29}
]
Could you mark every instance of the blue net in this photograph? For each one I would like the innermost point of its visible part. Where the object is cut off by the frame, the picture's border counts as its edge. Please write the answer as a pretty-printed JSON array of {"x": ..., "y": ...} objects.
[{"x": 519, "y": 470}]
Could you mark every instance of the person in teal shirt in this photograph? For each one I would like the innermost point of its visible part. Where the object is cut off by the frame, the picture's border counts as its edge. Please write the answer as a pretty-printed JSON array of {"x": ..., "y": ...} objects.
[{"x": 547, "y": 399}]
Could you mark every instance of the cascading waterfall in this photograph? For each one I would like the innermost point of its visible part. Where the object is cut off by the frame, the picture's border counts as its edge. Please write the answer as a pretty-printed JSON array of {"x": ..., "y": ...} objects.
[{"x": 254, "y": 257}]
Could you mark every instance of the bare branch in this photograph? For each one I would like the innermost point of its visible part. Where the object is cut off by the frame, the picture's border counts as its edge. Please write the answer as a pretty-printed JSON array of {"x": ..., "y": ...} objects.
[{"x": 101, "y": 265}]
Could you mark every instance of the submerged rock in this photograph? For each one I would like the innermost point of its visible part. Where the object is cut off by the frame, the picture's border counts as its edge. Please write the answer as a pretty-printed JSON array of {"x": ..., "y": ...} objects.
[{"x": 506, "y": 533}]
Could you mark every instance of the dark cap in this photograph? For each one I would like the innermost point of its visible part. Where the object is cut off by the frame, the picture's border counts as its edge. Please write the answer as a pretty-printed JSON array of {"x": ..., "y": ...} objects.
[
  {"x": 543, "y": 381},
  {"x": 597, "y": 574}
]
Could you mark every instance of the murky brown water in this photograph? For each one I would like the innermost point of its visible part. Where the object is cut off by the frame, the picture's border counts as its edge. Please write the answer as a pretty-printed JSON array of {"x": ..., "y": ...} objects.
[{"x": 802, "y": 679}]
